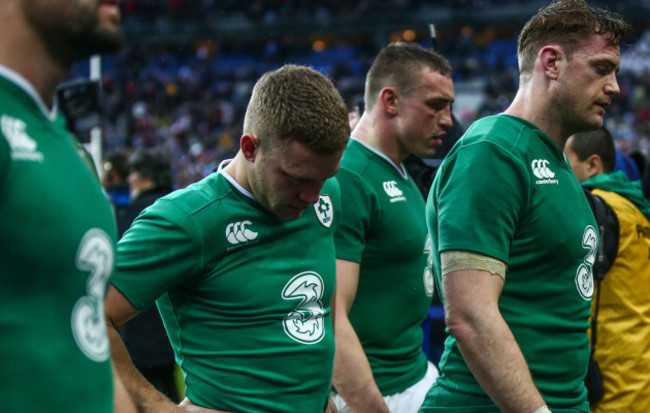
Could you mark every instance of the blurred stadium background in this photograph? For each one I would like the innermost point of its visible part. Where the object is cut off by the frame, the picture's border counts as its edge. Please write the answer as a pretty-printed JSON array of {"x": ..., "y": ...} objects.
[{"x": 185, "y": 74}]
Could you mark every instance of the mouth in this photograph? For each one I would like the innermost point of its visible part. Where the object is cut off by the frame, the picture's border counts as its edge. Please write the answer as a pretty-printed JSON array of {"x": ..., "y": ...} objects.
[
  {"x": 437, "y": 140},
  {"x": 603, "y": 104}
]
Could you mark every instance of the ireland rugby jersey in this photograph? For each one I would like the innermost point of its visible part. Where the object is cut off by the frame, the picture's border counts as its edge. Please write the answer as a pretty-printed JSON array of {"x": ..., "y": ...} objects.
[
  {"x": 506, "y": 191},
  {"x": 57, "y": 236},
  {"x": 245, "y": 297}
]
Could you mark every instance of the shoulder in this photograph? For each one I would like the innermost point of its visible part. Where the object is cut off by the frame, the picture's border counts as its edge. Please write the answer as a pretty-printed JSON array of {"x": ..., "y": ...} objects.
[
  {"x": 356, "y": 157},
  {"x": 208, "y": 192},
  {"x": 506, "y": 132}
]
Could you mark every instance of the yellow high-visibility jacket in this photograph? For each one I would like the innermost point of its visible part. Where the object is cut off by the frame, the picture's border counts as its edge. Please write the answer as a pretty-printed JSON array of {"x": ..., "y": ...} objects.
[{"x": 623, "y": 336}]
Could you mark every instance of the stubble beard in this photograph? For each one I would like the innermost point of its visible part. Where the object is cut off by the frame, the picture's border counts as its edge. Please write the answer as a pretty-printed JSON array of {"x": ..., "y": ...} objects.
[{"x": 72, "y": 35}]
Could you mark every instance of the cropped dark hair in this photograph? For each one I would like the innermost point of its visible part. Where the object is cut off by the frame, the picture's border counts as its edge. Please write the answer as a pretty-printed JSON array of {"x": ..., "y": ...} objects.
[
  {"x": 598, "y": 142},
  {"x": 154, "y": 164},
  {"x": 398, "y": 65}
]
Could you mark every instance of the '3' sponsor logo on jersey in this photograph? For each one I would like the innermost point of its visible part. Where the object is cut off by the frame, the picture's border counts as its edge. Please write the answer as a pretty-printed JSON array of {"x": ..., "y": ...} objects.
[
  {"x": 238, "y": 232},
  {"x": 96, "y": 256},
  {"x": 584, "y": 274},
  {"x": 305, "y": 324}
]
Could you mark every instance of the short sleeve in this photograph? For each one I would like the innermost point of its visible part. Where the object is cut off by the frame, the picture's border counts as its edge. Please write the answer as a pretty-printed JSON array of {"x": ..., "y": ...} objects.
[
  {"x": 357, "y": 200},
  {"x": 481, "y": 196},
  {"x": 159, "y": 252}
]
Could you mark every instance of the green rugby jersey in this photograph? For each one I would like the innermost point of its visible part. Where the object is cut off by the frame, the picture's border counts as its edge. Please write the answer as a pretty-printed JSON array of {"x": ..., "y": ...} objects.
[
  {"x": 506, "y": 191},
  {"x": 244, "y": 296},
  {"x": 57, "y": 235},
  {"x": 383, "y": 228}
]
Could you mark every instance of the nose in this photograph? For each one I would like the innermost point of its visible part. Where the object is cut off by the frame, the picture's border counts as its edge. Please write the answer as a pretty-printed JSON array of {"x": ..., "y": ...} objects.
[
  {"x": 446, "y": 121},
  {"x": 611, "y": 87},
  {"x": 310, "y": 192}
]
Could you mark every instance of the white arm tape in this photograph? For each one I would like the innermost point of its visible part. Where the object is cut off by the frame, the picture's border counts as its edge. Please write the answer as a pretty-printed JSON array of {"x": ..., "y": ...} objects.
[{"x": 454, "y": 260}]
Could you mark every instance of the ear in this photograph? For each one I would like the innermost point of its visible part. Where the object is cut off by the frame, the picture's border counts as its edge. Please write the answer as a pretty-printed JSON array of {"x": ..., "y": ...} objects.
[
  {"x": 594, "y": 166},
  {"x": 249, "y": 145},
  {"x": 389, "y": 100},
  {"x": 551, "y": 58}
]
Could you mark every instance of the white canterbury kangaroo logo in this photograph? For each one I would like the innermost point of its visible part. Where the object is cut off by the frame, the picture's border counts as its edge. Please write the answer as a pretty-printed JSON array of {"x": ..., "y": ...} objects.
[
  {"x": 237, "y": 232},
  {"x": 540, "y": 169},
  {"x": 14, "y": 131},
  {"x": 22, "y": 146},
  {"x": 391, "y": 189}
]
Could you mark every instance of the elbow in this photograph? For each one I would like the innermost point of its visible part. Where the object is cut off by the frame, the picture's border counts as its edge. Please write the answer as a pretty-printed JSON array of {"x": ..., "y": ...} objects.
[{"x": 462, "y": 327}]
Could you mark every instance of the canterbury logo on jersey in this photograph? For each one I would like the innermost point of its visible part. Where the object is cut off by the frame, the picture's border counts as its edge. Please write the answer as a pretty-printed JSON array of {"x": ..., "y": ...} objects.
[
  {"x": 239, "y": 232},
  {"x": 22, "y": 146},
  {"x": 542, "y": 172},
  {"x": 393, "y": 191}
]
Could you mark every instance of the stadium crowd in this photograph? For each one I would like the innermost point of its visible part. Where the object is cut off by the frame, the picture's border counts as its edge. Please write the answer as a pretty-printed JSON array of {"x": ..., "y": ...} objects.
[
  {"x": 244, "y": 164},
  {"x": 189, "y": 98}
]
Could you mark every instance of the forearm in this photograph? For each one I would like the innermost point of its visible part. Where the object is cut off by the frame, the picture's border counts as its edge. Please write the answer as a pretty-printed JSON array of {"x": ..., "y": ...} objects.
[
  {"x": 353, "y": 378},
  {"x": 122, "y": 402},
  {"x": 494, "y": 357},
  {"x": 146, "y": 398}
]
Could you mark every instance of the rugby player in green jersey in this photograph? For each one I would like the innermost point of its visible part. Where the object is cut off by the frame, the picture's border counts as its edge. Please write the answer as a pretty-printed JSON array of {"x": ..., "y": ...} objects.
[
  {"x": 513, "y": 235},
  {"x": 241, "y": 264},
  {"x": 58, "y": 230},
  {"x": 381, "y": 243}
]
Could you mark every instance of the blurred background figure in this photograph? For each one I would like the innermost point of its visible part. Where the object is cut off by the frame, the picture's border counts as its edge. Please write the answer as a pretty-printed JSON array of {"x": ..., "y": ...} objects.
[
  {"x": 115, "y": 172},
  {"x": 620, "y": 308},
  {"x": 149, "y": 178}
]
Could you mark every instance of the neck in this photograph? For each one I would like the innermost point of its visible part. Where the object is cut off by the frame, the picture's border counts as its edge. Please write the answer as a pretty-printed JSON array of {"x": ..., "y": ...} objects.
[
  {"x": 377, "y": 132},
  {"x": 533, "y": 103},
  {"x": 238, "y": 170}
]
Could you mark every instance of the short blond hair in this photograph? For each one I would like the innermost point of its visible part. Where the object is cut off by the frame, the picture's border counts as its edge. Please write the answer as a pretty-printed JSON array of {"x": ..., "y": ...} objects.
[{"x": 298, "y": 103}]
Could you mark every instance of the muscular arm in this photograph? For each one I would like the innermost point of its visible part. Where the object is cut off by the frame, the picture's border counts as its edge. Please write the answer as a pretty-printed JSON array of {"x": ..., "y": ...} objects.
[
  {"x": 486, "y": 342},
  {"x": 147, "y": 399},
  {"x": 352, "y": 375}
]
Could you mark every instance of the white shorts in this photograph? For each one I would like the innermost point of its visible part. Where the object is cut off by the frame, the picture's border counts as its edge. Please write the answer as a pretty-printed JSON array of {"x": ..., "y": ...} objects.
[{"x": 407, "y": 401}]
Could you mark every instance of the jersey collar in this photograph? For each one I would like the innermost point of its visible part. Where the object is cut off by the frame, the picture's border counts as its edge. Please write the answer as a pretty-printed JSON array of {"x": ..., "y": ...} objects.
[
  {"x": 17, "y": 79},
  {"x": 229, "y": 178},
  {"x": 400, "y": 169}
]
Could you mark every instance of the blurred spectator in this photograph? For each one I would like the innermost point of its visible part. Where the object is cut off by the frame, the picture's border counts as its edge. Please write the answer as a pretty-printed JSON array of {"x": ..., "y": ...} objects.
[
  {"x": 620, "y": 310},
  {"x": 114, "y": 179}
]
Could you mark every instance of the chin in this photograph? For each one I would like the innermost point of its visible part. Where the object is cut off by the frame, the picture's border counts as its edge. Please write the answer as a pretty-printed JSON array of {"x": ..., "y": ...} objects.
[{"x": 288, "y": 214}]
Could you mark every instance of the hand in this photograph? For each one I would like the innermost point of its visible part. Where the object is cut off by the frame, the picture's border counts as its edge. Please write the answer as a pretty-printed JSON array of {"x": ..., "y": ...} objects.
[
  {"x": 191, "y": 407},
  {"x": 331, "y": 407}
]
